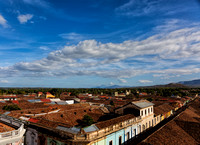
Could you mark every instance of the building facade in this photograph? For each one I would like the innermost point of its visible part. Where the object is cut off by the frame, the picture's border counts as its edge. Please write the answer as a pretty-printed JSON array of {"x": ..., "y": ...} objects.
[{"x": 15, "y": 135}]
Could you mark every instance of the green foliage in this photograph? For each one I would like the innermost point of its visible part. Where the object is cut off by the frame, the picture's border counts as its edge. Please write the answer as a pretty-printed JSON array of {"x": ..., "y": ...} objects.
[
  {"x": 86, "y": 121},
  {"x": 150, "y": 99},
  {"x": 11, "y": 107},
  {"x": 131, "y": 96},
  {"x": 156, "y": 91},
  {"x": 112, "y": 103}
]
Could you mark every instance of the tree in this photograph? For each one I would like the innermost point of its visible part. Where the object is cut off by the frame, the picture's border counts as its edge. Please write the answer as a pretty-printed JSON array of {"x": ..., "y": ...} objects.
[
  {"x": 130, "y": 96},
  {"x": 150, "y": 99},
  {"x": 11, "y": 107},
  {"x": 86, "y": 121},
  {"x": 112, "y": 103}
]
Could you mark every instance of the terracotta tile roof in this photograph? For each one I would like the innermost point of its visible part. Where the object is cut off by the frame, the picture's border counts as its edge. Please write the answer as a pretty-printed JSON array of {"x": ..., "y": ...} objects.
[
  {"x": 5, "y": 128},
  {"x": 46, "y": 100},
  {"x": 48, "y": 123},
  {"x": 33, "y": 120},
  {"x": 71, "y": 117},
  {"x": 184, "y": 130},
  {"x": 15, "y": 101},
  {"x": 162, "y": 109},
  {"x": 171, "y": 134},
  {"x": 110, "y": 122}
]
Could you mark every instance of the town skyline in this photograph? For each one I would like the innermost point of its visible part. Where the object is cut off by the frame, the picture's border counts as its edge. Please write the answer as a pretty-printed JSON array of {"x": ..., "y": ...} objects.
[{"x": 83, "y": 44}]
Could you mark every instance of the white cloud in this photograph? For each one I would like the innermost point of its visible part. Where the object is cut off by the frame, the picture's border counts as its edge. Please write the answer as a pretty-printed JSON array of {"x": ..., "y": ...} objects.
[
  {"x": 111, "y": 83},
  {"x": 123, "y": 80},
  {"x": 145, "y": 81},
  {"x": 138, "y": 7},
  {"x": 162, "y": 55},
  {"x": 4, "y": 81},
  {"x": 25, "y": 18},
  {"x": 44, "y": 48},
  {"x": 3, "y": 21},
  {"x": 71, "y": 36}
]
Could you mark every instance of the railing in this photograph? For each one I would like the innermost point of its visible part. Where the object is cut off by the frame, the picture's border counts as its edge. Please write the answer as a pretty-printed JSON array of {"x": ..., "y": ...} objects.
[
  {"x": 109, "y": 129},
  {"x": 14, "y": 122},
  {"x": 10, "y": 120},
  {"x": 13, "y": 133}
]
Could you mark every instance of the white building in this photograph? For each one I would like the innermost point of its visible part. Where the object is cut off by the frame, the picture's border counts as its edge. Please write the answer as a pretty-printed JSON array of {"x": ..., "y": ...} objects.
[{"x": 14, "y": 133}]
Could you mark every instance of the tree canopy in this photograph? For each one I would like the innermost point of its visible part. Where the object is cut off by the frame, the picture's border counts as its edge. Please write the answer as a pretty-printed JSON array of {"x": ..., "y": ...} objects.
[
  {"x": 86, "y": 121},
  {"x": 11, "y": 107}
]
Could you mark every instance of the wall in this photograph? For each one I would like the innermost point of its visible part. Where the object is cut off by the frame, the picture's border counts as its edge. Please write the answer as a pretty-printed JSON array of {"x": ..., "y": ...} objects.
[
  {"x": 128, "y": 129},
  {"x": 101, "y": 141},
  {"x": 134, "y": 130},
  {"x": 110, "y": 137},
  {"x": 51, "y": 141},
  {"x": 146, "y": 120},
  {"x": 31, "y": 137},
  {"x": 118, "y": 134}
]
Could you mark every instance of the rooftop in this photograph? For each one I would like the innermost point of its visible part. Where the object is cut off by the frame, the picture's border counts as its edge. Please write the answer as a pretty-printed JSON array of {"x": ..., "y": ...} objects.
[
  {"x": 110, "y": 122},
  {"x": 143, "y": 104},
  {"x": 183, "y": 130},
  {"x": 5, "y": 128},
  {"x": 163, "y": 108}
]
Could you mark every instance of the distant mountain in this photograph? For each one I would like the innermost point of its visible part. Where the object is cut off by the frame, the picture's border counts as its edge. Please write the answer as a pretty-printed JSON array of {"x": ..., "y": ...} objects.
[
  {"x": 182, "y": 84},
  {"x": 193, "y": 83},
  {"x": 171, "y": 85}
]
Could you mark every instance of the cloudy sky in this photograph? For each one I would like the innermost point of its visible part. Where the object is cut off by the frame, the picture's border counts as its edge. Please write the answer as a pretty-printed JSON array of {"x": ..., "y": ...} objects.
[{"x": 89, "y": 43}]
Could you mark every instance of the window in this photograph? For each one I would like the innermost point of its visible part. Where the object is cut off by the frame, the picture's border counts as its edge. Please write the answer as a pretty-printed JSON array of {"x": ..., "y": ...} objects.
[
  {"x": 111, "y": 142},
  {"x": 149, "y": 123},
  {"x": 143, "y": 127},
  {"x": 148, "y": 110},
  {"x": 142, "y": 112},
  {"x": 134, "y": 132},
  {"x": 127, "y": 135},
  {"x": 145, "y": 111},
  {"x": 139, "y": 128},
  {"x": 146, "y": 125},
  {"x": 120, "y": 140},
  {"x": 151, "y": 109}
]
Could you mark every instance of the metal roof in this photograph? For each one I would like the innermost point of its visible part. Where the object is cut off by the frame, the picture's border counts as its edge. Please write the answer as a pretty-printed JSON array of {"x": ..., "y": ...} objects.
[
  {"x": 6, "y": 113},
  {"x": 143, "y": 104},
  {"x": 73, "y": 130},
  {"x": 34, "y": 101},
  {"x": 91, "y": 128}
]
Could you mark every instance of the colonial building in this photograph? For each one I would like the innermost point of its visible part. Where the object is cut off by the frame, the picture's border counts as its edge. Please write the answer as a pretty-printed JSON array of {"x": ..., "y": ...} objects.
[
  {"x": 11, "y": 131},
  {"x": 141, "y": 108}
]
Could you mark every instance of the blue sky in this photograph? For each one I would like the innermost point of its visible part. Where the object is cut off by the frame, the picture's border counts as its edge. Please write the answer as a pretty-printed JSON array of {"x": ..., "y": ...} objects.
[{"x": 89, "y": 43}]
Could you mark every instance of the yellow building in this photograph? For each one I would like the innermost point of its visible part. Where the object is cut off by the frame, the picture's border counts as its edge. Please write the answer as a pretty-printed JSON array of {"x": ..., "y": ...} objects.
[{"x": 49, "y": 95}]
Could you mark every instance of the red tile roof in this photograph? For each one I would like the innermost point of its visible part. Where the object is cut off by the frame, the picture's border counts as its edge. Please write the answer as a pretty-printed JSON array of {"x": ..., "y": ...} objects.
[
  {"x": 15, "y": 101},
  {"x": 45, "y": 100},
  {"x": 33, "y": 120}
]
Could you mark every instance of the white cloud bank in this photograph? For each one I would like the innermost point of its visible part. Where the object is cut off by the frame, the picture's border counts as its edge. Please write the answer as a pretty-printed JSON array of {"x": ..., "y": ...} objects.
[
  {"x": 116, "y": 60},
  {"x": 24, "y": 18}
]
